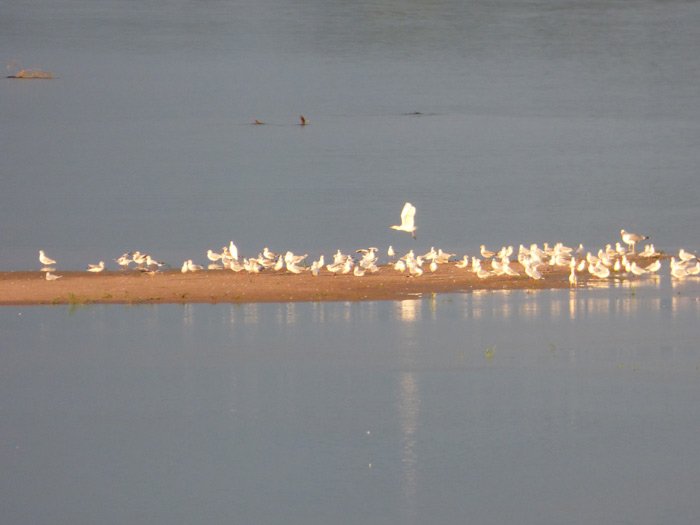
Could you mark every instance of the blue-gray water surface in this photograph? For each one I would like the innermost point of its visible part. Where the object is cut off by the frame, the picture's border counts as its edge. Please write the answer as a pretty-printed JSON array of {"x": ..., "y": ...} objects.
[
  {"x": 504, "y": 122},
  {"x": 501, "y": 407},
  {"x": 539, "y": 121}
]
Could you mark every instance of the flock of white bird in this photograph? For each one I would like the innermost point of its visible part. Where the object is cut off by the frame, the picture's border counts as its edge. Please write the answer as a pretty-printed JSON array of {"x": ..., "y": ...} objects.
[{"x": 533, "y": 260}]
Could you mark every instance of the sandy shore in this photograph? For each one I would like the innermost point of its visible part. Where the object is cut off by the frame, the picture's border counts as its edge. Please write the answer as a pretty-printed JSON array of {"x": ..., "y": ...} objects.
[{"x": 133, "y": 287}]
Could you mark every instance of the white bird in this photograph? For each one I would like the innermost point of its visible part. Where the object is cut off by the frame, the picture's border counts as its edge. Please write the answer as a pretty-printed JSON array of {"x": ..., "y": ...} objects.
[
  {"x": 139, "y": 258},
  {"x": 654, "y": 267},
  {"x": 268, "y": 254},
  {"x": 408, "y": 214},
  {"x": 213, "y": 256},
  {"x": 293, "y": 268},
  {"x": 43, "y": 259},
  {"x": 486, "y": 254},
  {"x": 52, "y": 277},
  {"x": 339, "y": 257},
  {"x": 414, "y": 268},
  {"x": 678, "y": 271},
  {"x": 599, "y": 270},
  {"x": 631, "y": 239},
  {"x": 294, "y": 259},
  {"x": 336, "y": 267},
  {"x": 150, "y": 261},
  {"x": 533, "y": 271},
  {"x": 573, "y": 281},
  {"x": 124, "y": 260},
  {"x": 315, "y": 268},
  {"x": 462, "y": 263},
  {"x": 233, "y": 250},
  {"x": 505, "y": 251},
  {"x": 506, "y": 268},
  {"x": 252, "y": 265},
  {"x": 235, "y": 266},
  {"x": 685, "y": 256},
  {"x": 96, "y": 268},
  {"x": 636, "y": 270},
  {"x": 483, "y": 274},
  {"x": 348, "y": 265},
  {"x": 192, "y": 267},
  {"x": 185, "y": 267},
  {"x": 443, "y": 257},
  {"x": 390, "y": 252},
  {"x": 476, "y": 264},
  {"x": 649, "y": 251},
  {"x": 496, "y": 265}
]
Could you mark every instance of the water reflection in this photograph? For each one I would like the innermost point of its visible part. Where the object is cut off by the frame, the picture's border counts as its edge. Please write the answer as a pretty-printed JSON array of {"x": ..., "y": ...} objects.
[
  {"x": 187, "y": 315},
  {"x": 291, "y": 314},
  {"x": 621, "y": 299},
  {"x": 572, "y": 305},
  {"x": 409, "y": 412},
  {"x": 251, "y": 313},
  {"x": 682, "y": 303},
  {"x": 530, "y": 309},
  {"x": 318, "y": 312},
  {"x": 409, "y": 310},
  {"x": 617, "y": 299},
  {"x": 647, "y": 281}
]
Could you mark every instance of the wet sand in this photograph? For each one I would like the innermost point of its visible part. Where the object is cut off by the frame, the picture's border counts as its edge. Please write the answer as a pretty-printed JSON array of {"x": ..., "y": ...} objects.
[{"x": 225, "y": 286}]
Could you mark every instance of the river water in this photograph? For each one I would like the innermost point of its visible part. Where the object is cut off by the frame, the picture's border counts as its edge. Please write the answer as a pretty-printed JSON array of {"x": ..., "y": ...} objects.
[
  {"x": 501, "y": 407},
  {"x": 504, "y": 122}
]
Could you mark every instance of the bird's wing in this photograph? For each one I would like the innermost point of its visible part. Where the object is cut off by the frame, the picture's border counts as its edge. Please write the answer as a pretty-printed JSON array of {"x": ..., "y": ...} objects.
[{"x": 407, "y": 214}]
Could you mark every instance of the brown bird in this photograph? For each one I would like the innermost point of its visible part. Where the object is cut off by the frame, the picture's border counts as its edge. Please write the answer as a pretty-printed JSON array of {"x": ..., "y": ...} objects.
[{"x": 302, "y": 120}]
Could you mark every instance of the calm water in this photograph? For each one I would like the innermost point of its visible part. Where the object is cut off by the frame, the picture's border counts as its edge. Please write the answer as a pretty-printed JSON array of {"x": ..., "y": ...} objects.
[
  {"x": 541, "y": 121},
  {"x": 533, "y": 408},
  {"x": 538, "y": 121}
]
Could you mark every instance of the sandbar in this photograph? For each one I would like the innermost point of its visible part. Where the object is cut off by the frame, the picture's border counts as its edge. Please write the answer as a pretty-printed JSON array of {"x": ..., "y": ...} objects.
[{"x": 225, "y": 286}]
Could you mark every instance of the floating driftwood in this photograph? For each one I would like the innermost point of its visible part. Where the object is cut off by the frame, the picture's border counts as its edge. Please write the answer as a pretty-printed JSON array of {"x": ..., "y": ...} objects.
[{"x": 32, "y": 73}]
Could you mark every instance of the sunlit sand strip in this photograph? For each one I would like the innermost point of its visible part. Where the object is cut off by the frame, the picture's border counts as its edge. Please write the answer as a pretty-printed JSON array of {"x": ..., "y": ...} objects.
[{"x": 230, "y": 287}]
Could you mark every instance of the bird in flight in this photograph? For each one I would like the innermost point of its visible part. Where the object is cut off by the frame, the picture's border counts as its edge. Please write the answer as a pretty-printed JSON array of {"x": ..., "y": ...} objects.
[{"x": 408, "y": 214}]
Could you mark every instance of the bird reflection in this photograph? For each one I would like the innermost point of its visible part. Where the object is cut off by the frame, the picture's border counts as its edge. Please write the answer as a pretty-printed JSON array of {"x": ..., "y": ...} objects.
[
  {"x": 250, "y": 313},
  {"x": 409, "y": 310},
  {"x": 530, "y": 309},
  {"x": 291, "y": 313},
  {"x": 319, "y": 312},
  {"x": 572, "y": 306},
  {"x": 187, "y": 315}
]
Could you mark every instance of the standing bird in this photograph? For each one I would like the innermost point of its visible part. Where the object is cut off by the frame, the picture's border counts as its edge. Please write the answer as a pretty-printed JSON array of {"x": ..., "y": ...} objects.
[
  {"x": 631, "y": 239},
  {"x": 44, "y": 259},
  {"x": 408, "y": 214},
  {"x": 486, "y": 254},
  {"x": 302, "y": 120}
]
